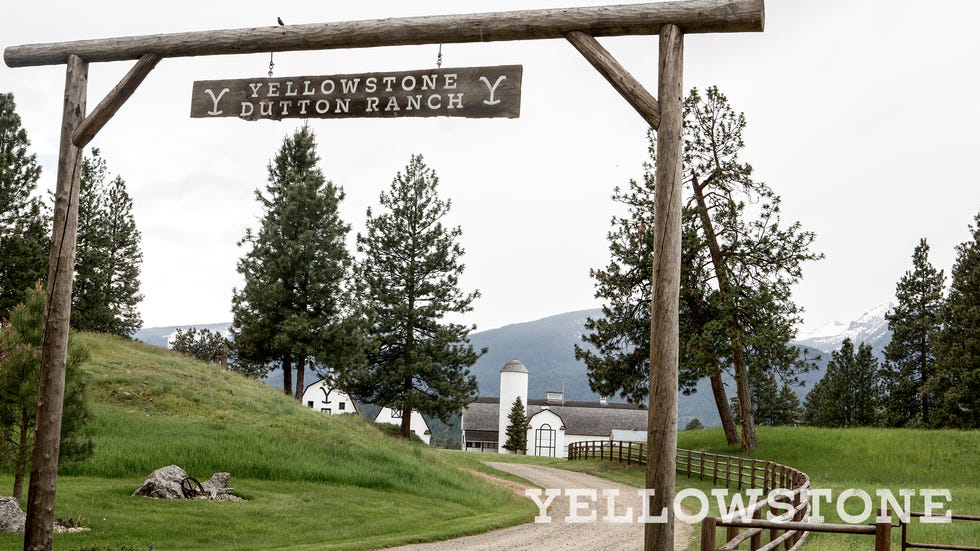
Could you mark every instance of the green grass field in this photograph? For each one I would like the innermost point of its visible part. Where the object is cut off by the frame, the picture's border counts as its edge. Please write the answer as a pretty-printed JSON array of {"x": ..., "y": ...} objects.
[
  {"x": 871, "y": 459},
  {"x": 316, "y": 482},
  {"x": 840, "y": 459},
  {"x": 312, "y": 481}
]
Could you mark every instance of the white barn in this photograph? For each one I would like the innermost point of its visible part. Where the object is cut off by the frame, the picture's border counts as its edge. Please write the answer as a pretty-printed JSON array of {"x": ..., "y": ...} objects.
[
  {"x": 418, "y": 425},
  {"x": 320, "y": 396},
  {"x": 553, "y": 422}
]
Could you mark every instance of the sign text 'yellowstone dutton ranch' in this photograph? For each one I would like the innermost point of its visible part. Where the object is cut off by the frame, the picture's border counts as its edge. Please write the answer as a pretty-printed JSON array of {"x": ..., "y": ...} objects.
[{"x": 472, "y": 92}]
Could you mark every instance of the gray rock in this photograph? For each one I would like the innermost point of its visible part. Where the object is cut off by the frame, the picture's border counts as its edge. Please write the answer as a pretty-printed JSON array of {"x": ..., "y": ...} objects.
[
  {"x": 217, "y": 485},
  {"x": 12, "y": 518},
  {"x": 163, "y": 483}
]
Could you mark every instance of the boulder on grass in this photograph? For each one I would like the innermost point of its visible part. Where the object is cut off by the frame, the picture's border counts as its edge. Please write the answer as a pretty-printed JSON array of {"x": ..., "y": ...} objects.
[
  {"x": 163, "y": 483},
  {"x": 12, "y": 518},
  {"x": 217, "y": 485}
]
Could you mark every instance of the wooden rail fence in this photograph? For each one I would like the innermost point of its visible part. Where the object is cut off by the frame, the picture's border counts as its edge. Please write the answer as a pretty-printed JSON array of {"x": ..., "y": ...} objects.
[
  {"x": 906, "y": 544},
  {"x": 740, "y": 472}
]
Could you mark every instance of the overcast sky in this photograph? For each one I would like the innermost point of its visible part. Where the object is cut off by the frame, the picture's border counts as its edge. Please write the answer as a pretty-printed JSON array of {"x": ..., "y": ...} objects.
[{"x": 862, "y": 115}]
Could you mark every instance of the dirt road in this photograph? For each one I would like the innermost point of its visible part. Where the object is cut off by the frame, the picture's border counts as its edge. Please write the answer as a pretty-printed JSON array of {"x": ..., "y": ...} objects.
[{"x": 561, "y": 535}]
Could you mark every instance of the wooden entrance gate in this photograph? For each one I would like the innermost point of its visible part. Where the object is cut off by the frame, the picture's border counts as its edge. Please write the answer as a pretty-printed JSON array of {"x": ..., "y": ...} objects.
[{"x": 580, "y": 26}]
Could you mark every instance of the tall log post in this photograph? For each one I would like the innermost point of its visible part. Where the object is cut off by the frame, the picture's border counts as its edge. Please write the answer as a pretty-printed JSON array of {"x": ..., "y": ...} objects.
[
  {"x": 39, "y": 530},
  {"x": 664, "y": 331}
]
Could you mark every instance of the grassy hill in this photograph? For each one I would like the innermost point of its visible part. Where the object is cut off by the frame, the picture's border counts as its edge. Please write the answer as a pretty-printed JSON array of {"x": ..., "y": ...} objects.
[{"x": 312, "y": 481}]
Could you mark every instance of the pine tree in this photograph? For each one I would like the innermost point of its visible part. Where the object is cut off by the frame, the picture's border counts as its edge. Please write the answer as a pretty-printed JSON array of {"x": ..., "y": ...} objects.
[
  {"x": 773, "y": 404},
  {"x": 516, "y": 428},
  {"x": 956, "y": 384},
  {"x": 617, "y": 355},
  {"x": 411, "y": 269},
  {"x": 295, "y": 307},
  {"x": 909, "y": 356},
  {"x": 737, "y": 269},
  {"x": 24, "y": 220},
  {"x": 20, "y": 369},
  {"x": 201, "y": 344},
  {"x": 105, "y": 294},
  {"x": 849, "y": 394},
  {"x": 754, "y": 259}
]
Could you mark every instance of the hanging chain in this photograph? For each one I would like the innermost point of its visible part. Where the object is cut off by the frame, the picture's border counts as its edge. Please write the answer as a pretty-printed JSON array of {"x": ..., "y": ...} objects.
[
  {"x": 271, "y": 64},
  {"x": 439, "y": 58}
]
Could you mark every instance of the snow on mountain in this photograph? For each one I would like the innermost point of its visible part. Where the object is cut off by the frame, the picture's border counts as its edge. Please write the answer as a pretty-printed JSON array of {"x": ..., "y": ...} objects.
[{"x": 870, "y": 328}]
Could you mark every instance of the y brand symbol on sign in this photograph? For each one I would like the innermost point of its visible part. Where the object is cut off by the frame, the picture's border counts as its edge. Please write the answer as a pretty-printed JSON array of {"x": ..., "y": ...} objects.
[
  {"x": 492, "y": 89},
  {"x": 215, "y": 110}
]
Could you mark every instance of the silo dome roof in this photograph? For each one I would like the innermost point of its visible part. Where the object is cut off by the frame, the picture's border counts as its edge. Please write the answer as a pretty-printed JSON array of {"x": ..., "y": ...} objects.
[{"x": 514, "y": 366}]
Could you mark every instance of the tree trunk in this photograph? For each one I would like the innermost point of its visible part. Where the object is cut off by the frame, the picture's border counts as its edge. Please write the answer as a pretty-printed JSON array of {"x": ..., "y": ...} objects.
[
  {"x": 23, "y": 452},
  {"x": 406, "y": 428},
  {"x": 749, "y": 440},
  {"x": 287, "y": 375},
  {"x": 724, "y": 408},
  {"x": 300, "y": 376},
  {"x": 924, "y": 381}
]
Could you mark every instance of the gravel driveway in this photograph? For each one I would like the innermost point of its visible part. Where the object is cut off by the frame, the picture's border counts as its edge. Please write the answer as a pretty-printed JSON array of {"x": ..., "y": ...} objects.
[{"x": 560, "y": 535}]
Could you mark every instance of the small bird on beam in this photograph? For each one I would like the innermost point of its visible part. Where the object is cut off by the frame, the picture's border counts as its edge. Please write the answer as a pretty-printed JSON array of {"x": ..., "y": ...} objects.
[{"x": 279, "y": 19}]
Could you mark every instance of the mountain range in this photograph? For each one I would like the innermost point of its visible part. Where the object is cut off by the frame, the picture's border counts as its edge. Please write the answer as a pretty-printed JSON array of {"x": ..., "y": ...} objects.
[{"x": 546, "y": 347}]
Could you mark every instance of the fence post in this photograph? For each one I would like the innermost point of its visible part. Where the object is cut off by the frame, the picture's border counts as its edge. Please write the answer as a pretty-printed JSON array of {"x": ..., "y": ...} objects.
[
  {"x": 708, "y": 534},
  {"x": 905, "y": 534},
  {"x": 756, "y": 540},
  {"x": 883, "y": 532},
  {"x": 740, "y": 473}
]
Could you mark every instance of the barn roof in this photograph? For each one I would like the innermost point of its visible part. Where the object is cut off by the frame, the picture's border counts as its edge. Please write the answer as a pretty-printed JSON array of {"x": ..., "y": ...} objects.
[{"x": 580, "y": 417}]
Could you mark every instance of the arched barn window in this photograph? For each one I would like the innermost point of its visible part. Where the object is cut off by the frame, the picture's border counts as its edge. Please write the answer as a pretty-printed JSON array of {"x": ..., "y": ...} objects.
[{"x": 544, "y": 441}]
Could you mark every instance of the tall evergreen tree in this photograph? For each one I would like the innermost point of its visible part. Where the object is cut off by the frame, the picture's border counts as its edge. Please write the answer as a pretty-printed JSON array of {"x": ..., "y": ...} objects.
[
  {"x": 295, "y": 307},
  {"x": 411, "y": 269},
  {"x": 956, "y": 383},
  {"x": 108, "y": 258},
  {"x": 773, "y": 404},
  {"x": 24, "y": 220},
  {"x": 737, "y": 269},
  {"x": 516, "y": 441},
  {"x": 617, "y": 351},
  {"x": 849, "y": 394},
  {"x": 754, "y": 259},
  {"x": 20, "y": 371},
  {"x": 909, "y": 356}
]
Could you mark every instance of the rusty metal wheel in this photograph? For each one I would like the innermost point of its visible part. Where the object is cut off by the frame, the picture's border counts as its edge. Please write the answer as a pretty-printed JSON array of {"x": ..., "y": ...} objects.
[{"x": 191, "y": 488}]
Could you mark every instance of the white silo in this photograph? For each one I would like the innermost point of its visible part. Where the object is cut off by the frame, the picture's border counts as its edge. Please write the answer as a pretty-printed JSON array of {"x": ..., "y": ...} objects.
[{"x": 513, "y": 383}]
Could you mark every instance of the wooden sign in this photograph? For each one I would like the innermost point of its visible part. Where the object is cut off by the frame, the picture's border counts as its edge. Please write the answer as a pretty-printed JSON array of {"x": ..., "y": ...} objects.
[{"x": 472, "y": 92}]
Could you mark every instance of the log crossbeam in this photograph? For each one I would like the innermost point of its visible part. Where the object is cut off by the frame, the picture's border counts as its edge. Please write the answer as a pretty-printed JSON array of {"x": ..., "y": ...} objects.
[{"x": 690, "y": 16}]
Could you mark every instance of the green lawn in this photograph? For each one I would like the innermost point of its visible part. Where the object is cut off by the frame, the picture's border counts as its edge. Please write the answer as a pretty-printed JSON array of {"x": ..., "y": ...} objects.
[
  {"x": 871, "y": 459},
  {"x": 840, "y": 459},
  {"x": 312, "y": 481},
  {"x": 317, "y": 482}
]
